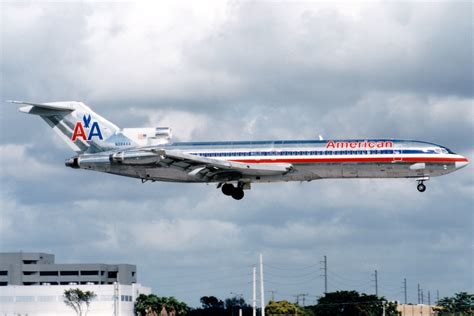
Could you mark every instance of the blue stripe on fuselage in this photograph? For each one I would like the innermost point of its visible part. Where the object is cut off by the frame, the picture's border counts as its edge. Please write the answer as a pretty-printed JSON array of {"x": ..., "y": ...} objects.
[{"x": 293, "y": 142}]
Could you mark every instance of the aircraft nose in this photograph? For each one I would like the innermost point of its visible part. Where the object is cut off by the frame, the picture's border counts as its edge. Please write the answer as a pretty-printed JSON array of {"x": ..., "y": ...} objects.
[{"x": 463, "y": 162}]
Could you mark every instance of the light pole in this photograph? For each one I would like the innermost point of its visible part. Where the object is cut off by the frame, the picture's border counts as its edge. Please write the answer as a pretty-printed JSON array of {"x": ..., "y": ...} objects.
[{"x": 240, "y": 297}]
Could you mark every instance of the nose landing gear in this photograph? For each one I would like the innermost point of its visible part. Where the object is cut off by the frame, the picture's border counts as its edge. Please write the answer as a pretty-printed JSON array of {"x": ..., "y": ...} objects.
[{"x": 237, "y": 192}]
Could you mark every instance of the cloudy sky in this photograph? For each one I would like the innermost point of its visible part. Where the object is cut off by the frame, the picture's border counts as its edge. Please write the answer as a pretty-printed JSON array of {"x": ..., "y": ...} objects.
[{"x": 238, "y": 71}]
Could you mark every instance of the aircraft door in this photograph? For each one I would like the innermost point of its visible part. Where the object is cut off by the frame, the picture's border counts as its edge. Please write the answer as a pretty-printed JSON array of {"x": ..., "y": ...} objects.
[
  {"x": 273, "y": 152},
  {"x": 397, "y": 155}
]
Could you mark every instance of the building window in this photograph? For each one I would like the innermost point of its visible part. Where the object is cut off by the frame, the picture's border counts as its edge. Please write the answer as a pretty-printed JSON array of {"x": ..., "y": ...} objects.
[
  {"x": 112, "y": 274},
  {"x": 24, "y": 298},
  {"x": 47, "y": 298},
  {"x": 90, "y": 272},
  {"x": 3, "y": 283},
  {"x": 3, "y": 272},
  {"x": 49, "y": 273},
  {"x": 30, "y": 272},
  {"x": 30, "y": 261},
  {"x": 133, "y": 273},
  {"x": 6, "y": 299},
  {"x": 69, "y": 272}
]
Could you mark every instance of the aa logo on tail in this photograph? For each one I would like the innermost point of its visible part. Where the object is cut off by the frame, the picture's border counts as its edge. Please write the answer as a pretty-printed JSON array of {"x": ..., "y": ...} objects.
[{"x": 80, "y": 132}]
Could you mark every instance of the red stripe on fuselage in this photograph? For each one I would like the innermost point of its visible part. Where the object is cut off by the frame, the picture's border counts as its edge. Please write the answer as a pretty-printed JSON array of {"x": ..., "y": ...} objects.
[{"x": 355, "y": 159}]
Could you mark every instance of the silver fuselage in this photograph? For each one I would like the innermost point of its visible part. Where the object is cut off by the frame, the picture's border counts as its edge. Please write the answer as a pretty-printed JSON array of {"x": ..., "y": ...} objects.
[{"x": 311, "y": 159}]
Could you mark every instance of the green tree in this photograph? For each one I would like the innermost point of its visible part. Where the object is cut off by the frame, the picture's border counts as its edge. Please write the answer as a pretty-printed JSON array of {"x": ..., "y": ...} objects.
[
  {"x": 151, "y": 305},
  {"x": 235, "y": 301},
  {"x": 283, "y": 308},
  {"x": 460, "y": 304},
  {"x": 211, "y": 302},
  {"x": 76, "y": 298},
  {"x": 352, "y": 303}
]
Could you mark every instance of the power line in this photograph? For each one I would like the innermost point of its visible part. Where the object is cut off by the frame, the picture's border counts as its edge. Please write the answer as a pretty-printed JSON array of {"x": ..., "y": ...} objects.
[
  {"x": 271, "y": 266},
  {"x": 293, "y": 283},
  {"x": 290, "y": 276},
  {"x": 340, "y": 280}
]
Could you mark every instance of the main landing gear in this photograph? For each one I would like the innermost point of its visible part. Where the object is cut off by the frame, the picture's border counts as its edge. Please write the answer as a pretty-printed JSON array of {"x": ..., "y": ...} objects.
[
  {"x": 421, "y": 186},
  {"x": 236, "y": 192}
]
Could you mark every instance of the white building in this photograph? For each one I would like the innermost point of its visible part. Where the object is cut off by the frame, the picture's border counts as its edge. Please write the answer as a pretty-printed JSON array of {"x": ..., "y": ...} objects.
[{"x": 42, "y": 300}]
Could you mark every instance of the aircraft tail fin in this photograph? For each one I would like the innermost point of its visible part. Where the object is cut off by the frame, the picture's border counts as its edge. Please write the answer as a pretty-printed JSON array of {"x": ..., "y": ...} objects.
[{"x": 80, "y": 127}]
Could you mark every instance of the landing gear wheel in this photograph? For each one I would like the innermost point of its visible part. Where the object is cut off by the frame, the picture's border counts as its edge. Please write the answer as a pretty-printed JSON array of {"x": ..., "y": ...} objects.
[
  {"x": 421, "y": 187},
  {"x": 228, "y": 189},
  {"x": 238, "y": 194}
]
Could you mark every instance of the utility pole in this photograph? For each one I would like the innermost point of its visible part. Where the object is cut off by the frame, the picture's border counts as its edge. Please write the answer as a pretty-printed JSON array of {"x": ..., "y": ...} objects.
[
  {"x": 405, "y": 289},
  {"x": 437, "y": 296},
  {"x": 325, "y": 269},
  {"x": 273, "y": 294},
  {"x": 429, "y": 298},
  {"x": 422, "y": 296},
  {"x": 304, "y": 298},
  {"x": 298, "y": 298},
  {"x": 376, "y": 283},
  {"x": 262, "y": 295},
  {"x": 115, "y": 297},
  {"x": 419, "y": 300},
  {"x": 254, "y": 296}
]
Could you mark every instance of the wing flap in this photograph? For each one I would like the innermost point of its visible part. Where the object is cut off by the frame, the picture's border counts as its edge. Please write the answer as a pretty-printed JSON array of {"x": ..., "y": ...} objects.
[
  {"x": 199, "y": 167},
  {"x": 209, "y": 165}
]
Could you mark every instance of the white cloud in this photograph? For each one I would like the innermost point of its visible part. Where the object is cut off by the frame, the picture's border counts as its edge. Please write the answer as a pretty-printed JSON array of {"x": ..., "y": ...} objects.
[
  {"x": 242, "y": 70},
  {"x": 16, "y": 162},
  {"x": 450, "y": 242},
  {"x": 185, "y": 235},
  {"x": 185, "y": 124}
]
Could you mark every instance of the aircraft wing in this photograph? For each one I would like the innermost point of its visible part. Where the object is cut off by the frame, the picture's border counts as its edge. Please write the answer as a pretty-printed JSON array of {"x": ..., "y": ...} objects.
[{"x": 218, "y": 170}]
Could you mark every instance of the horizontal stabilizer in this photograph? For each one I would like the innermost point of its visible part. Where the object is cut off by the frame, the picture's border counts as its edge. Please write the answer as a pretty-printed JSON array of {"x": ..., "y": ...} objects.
[{"x": 55, "y": 106}]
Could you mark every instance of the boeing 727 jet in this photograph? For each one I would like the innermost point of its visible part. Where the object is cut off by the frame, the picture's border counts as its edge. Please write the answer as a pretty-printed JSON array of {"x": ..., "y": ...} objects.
[{"x": 150, "y": 155}]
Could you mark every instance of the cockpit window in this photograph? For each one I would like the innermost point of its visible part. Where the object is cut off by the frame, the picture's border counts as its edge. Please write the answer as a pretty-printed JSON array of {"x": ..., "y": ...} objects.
[{"x": 444, "y": 150}]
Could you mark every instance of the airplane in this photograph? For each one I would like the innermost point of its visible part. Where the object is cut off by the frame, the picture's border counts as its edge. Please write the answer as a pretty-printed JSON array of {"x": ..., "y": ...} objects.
[{"x": 150, "y": 155}]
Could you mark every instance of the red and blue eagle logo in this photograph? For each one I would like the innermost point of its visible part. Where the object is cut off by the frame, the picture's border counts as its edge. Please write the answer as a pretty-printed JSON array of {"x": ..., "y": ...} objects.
[{"x": 81, "y": 127}]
